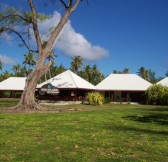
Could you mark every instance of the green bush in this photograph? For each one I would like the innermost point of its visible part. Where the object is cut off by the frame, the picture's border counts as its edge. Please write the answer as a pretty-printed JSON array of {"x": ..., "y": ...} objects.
[
  {"x": 157, "y": 94},
  {"x": 95, "y": 98}
]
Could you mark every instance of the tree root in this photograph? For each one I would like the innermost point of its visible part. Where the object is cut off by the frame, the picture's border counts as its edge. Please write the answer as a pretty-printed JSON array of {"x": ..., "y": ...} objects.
[{"x": 31, "y": 107}]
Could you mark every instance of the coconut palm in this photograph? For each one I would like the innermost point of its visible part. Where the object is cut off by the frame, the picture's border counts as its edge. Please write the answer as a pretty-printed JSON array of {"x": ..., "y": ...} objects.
[
  {"x": 29, "y": 60},
  {"x": 144, "y": 73},
  {"x": 126, "y": 71},
  {"x": 16, "y": 69},
  {"x": 76, "y": 63},
  {"x": 97, "y": 76}
]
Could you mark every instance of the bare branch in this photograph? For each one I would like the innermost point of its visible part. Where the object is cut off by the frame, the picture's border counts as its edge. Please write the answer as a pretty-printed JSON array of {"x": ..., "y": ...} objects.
[
  {"x": 64, "y": 4},
  {"x": 70, "y": 3},
  {"x": 20, "y": 36},
  {"x": 35, "y": 26},
  {"x": 62, "y": 23},
  {"x": 76, "y": 5},
  {"x": 19, "y": 16}
]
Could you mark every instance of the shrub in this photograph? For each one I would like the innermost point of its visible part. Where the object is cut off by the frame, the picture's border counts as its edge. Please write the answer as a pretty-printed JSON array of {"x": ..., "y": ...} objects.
[
  {"x": 95, "y": 98},
  {"x": 157, "y": 94}
]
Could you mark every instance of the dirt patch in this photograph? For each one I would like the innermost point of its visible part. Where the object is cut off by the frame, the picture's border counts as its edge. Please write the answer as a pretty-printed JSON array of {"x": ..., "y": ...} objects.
[{"x": 12, "y": 110}]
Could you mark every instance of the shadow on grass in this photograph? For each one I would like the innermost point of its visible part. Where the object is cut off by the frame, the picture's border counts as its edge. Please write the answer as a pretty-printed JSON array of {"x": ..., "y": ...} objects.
[
  {"x": 138, "y": 130},
  {"x": 160, "y": 109},
  {"x": 161, "y": 119}
]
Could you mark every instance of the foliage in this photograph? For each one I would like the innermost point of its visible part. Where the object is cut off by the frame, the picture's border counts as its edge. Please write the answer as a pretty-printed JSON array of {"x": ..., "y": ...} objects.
[
  {"x": 91, "y": 74},
  {"x": 29, "y": 60},
  {"x": 125, "y": 71},
  {"x": 142, "y": 72},
  {"x": 5, "y": 75},
  {"x": 95, "y": 98},
  {"x": 147, "y": 74},
  {"x": 157, "y": 94},
  {"x": 76, "y": 63}
]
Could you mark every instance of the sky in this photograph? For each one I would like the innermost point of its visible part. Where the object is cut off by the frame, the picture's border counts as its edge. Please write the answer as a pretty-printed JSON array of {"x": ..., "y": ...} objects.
[{"x": 113, "y": 34}]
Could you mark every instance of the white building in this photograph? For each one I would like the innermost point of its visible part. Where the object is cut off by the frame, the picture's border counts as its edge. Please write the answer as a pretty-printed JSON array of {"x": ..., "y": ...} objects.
[
  {"x": 124, "y": 87},
  {"x": 163, "y": 82},
  {"x": 70, "y": 86},
  {"x": 13, "y": 84},
  {"x": 10, "y": 86}
]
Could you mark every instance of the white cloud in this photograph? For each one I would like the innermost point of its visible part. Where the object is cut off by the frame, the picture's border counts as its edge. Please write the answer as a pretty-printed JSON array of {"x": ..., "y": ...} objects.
[
  {"x": 6, "y": 60},
  {"x": 70, "y": 42}
]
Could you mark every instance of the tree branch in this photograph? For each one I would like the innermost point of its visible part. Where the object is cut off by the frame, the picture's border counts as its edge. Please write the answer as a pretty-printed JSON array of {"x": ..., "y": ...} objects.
[
  {"x": 20, "y": 36},
  {"x": 35, "y": 26},
  {"x": 75, "y": 6},
  {"x": 19, "y": 16},
  {"x": 61, "y": 24},
  {"x": 64, "y": 4}
]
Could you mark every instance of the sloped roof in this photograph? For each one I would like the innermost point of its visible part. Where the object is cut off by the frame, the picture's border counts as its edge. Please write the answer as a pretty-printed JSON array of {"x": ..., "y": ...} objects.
[
  {"x": 163, "y": 81},
  {"x": 124, "y": 82},
  {"x": 13, "y": 83},
  {"x": 68, "y": 79}
]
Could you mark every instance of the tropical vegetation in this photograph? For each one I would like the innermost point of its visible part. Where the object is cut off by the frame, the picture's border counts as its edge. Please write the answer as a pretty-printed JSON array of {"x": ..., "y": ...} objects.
[
  {"x": 157, "y": 94},
  {"x": 95, "y": 98}
]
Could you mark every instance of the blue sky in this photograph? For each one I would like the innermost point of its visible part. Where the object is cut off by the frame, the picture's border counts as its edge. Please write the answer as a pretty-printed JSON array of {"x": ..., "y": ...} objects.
[{"x": 113, "y": 34}]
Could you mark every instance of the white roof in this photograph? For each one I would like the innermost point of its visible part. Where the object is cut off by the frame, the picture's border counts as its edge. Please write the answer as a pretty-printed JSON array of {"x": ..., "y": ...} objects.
[
  {"x": 124, "y": 82},
  {"x": 163, "y": 81},
  {"x": 13, "y": 83},
  {"x": 68, "y": 79}
]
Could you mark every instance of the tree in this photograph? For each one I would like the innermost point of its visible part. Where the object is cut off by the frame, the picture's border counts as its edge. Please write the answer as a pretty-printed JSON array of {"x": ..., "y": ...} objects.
[
  {"x": 29, "y": 60},
  {"x": 88, "y": 71},
  {"x": 97, "y": 76},
  {"x": 10, "y": 18},
  {"x": 157, "y": 94},
  {"x": 5, "y": 75},
  {"x": 91, "y": 74},
  {"x": 152, "y": 78},
  {"x": 16, "y": 69},
  {"x": 23, "y": 72},
  {"x": 126, "y": 71},
  {"x": 76, "y": 63},
  {"x": 142, "y": 72}
]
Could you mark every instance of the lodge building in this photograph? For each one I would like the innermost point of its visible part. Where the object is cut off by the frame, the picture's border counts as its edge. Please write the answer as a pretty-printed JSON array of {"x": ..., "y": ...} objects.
[{"x": 68, "y": 86}]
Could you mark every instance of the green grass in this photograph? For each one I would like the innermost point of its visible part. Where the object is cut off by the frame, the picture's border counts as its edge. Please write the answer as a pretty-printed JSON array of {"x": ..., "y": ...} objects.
[
  {"x": 98, "y": 134},
  {"x": 8, "y": 102}
]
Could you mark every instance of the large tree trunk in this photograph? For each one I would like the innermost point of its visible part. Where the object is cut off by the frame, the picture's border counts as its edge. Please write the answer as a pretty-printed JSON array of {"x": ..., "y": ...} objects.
[{"x": 27, "y": 101}]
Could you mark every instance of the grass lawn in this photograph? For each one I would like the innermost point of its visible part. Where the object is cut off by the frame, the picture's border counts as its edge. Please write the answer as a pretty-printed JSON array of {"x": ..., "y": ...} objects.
[{"x": 119, "y": 133}]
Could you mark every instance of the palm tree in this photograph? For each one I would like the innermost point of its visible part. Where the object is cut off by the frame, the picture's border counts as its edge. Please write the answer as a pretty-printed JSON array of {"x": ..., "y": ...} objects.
[
  {"x": 5, "y": 75},
  {"x": 16, "y": 69},
  {"x": 29, "y": 60},
  {"x": 126, "y": 71},
  {"x": 88, "y": 71},
  {"x": 97, "y": 76},
  {"x": 76, "y": 63},
  {"x": 23, "y": 72},
  {"x": 144, "y": 73},
  {"x": 115, "y": 72}
]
